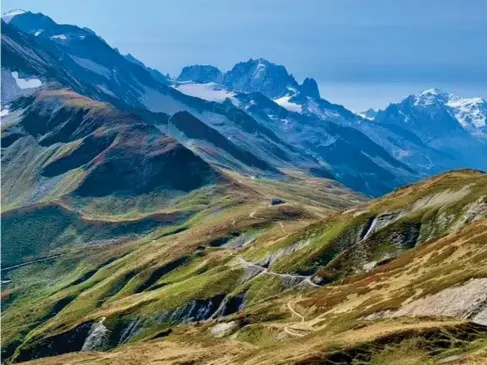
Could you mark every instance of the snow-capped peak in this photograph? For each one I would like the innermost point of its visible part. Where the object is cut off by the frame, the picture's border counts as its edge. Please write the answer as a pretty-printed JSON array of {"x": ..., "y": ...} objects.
[
  {"x": 7, "y": 17},
  {"x": 431, "y": 96},
  {"x": 470, "y": 112},
  {"x": 432, "y": 91}
]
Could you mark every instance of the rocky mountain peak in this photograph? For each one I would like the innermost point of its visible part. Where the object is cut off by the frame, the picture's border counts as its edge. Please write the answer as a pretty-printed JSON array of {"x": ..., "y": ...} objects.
[
  {"x": 201, "y": 74},
  {"x": 310, "y": 88},
  {"x": 260, "y": 75},
  {"x": 430, "y": 97}
]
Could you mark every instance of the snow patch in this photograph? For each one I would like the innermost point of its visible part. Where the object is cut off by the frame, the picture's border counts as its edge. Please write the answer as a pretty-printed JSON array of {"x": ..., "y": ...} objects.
[
  {"x": 38, "y": 32},
  {"x": 285, "y": 103},
  {"x": 210, "y": 91},
  {"x": 61, "y": 37},
  {"x": 469, "y": 111},
  {"x": 4, "y": 112},
  {"x": 26, "y": 83},
  {"x": 401, "y": 154},
  {"x": 430, "y": 97},
  {"x": 369, "y": 114}
]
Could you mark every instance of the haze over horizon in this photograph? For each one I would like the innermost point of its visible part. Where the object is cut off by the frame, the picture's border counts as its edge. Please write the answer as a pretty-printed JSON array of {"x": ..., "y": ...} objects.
[{"x": 361, "y": 54}]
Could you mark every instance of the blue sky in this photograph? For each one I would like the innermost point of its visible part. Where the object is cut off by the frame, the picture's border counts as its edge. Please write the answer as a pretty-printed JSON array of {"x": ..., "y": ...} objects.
[{"x": 362, "y": 52}]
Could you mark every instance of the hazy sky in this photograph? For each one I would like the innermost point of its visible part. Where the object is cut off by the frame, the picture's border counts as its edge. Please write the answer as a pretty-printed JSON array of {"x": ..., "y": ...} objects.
[{"x": 363, "y": 53}]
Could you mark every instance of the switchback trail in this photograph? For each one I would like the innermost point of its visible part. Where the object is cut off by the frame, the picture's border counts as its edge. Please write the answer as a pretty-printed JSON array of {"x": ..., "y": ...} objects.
[{"x": 265, "y": 270}]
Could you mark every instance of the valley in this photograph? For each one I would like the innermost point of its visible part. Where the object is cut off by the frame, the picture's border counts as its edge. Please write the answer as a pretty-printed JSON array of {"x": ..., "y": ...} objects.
[{"x": 226, "y": 218}]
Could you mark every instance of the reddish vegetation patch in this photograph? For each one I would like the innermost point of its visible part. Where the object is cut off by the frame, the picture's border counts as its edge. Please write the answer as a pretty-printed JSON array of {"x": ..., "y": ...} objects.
[{"x": 6, "y": 294}]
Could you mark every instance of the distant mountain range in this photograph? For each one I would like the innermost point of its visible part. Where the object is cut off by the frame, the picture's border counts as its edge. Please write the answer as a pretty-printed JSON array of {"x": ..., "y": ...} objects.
[
  {"x": 255, "y": 118},
  {"x": 429, "y": 132}
]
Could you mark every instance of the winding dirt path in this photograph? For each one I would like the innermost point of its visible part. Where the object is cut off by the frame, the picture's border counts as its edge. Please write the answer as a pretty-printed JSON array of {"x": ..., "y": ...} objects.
[
  {"x": 294, "y": 312},
  {"x": 297, "y": 332},
  {"x": 265, "y": 270}
]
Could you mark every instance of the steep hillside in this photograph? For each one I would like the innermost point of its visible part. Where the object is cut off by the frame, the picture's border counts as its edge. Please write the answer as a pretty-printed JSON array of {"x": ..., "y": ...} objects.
[
  {"x": 101, "y": 73},
  {"x": 58, "y": 142},
  {"x": 85, "y": 63},
  {"x": 249, "y": 279},
  {"x": 58, "y": 145}
]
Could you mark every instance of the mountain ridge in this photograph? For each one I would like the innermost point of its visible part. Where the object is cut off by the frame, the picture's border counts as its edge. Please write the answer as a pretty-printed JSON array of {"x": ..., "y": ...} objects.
[{"x": 108, "y": 76}]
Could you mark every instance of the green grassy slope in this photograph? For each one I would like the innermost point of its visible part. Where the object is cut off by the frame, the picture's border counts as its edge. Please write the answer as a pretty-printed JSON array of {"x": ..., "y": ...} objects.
[{"x": 239, "y": 257}]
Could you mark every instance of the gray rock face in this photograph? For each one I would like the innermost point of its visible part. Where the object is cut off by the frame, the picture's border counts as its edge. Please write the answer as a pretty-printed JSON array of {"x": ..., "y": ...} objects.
[
  {"x": 229, "y": 305},
  {"x": 467, "y": 301},
  {"x": 224, "y": 329},
  {"x": 98, "y": 337},
  {"x": 309, "y": 88},
  {"x": 131, "y": 330},
  {"x": 379, "y": 222},
  {"x": 193, "y": 311},
  {"x": 201, "y": 74},
  {"x": 261, "y": 76},
  {"x": 270, "y": 259},
  {"x": 474, "y": 212},
  {"x": 10, "y": 89}
]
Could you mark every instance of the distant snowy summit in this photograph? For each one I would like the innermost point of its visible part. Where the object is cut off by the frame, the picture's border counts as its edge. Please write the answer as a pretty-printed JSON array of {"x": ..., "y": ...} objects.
[{"x": 471, "y": 113}]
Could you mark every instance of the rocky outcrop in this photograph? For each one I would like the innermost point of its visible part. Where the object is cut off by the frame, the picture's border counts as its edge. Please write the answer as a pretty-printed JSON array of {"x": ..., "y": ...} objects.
[
  {"x": 270, "y": 259},
  {"x": 466, "y": 301},
  {"x": 473, "y": 212},
  {"x": 98, "y": 337},
  {"x": 442, "y": 198},
  {"x": 379, "y": 222},
  {"x": 63, "y": 343},
  {"x": 229, "y": 305},
  {"x": 193, "y": 311},
  {"x": 131, "y": 330},
  {"x": 224, "y": 329}
]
